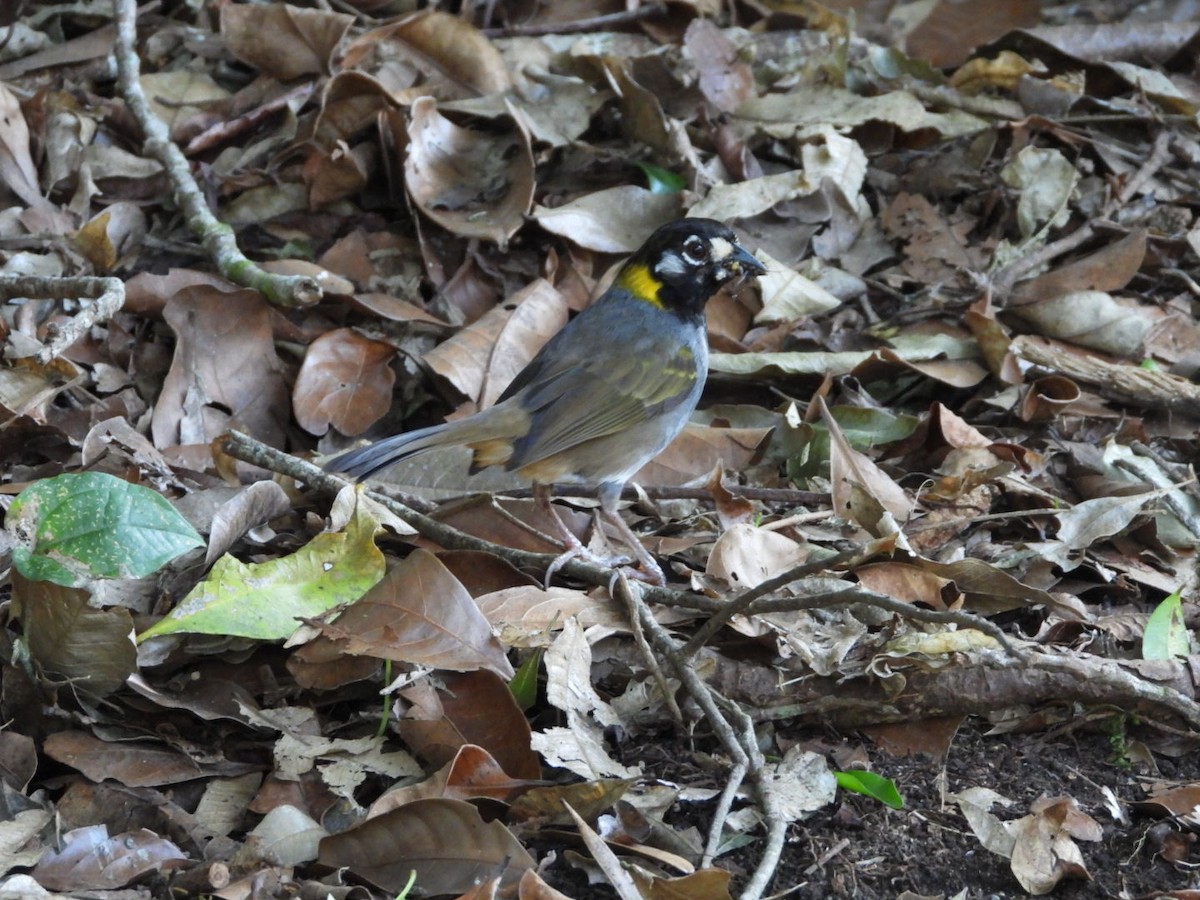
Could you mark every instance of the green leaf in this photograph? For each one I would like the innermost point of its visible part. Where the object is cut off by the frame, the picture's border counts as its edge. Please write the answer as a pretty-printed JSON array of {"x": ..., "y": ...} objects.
[
  {"x": 871, "y": 785},
  {"x": 266, "y": 600},
  {"x": 524, "y": 684},
  {"x": 662, "y": 181},
  {"x": 78, "y": 527},
  {"x": 1166, "y": 635},
  {"x": 863, "y": 428}
]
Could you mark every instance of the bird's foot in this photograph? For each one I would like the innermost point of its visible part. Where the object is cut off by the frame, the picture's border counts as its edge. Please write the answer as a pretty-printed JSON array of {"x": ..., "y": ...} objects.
[{"x": 647, "y": 571}]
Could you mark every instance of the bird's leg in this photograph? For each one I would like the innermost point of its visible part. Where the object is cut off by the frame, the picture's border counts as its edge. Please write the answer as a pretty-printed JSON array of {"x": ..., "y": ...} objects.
[
  {"x": 650, "y": 572},
  {"x": 573, "y": 548}
]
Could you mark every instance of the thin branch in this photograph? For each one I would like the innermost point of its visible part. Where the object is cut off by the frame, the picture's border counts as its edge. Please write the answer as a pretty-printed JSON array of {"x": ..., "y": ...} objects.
[
  {"x": 217, "y": 238},
  {"x": 107, "y": 295},
  {"x": 732, "y": 727},
  {"x": 579, "y": 26}
]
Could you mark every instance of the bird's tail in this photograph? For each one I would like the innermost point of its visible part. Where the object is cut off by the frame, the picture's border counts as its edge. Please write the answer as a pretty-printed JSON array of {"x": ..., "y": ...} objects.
[{"x": 489, "y": 434}]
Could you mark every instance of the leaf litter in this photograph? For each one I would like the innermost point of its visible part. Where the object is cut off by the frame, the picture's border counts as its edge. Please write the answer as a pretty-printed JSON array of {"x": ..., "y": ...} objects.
[{"x": 957, "y": 419}]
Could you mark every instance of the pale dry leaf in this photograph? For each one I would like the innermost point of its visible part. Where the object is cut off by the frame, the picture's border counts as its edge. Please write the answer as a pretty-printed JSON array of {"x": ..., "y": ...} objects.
[
  {"x": 473, "y": 183},
  {"x": 849, "y": 469},
  {"x": 1044, "y": 178},
  {"x": 1092, "y": 319},
  {"x": 787, "y": 295},
  {"x": 746, "y": 556},
  {"x": 801, "y": 783},
  {"x": 614, "y": 220}
]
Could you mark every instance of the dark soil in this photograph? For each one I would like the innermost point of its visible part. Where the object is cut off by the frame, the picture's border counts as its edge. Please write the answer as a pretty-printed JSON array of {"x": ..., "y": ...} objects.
[{"x": 929, "y": 850}]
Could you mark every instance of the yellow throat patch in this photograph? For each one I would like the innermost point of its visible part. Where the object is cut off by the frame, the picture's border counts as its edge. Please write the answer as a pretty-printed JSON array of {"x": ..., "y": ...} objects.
[{"x": 640, "y": 281}]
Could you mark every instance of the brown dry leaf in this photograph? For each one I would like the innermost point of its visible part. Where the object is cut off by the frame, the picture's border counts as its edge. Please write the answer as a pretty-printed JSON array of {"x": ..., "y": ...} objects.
[
  {"x": 989, "y": 590},
  {"x": 480, "y": 517},
  {"x": 91, "y": 860},
  {"x": 642, "y": 116},
  {"x": 478, "y": 708},
  {"x": 1182, "y": 802},
  {"x": 133, "y": 764},
  {"x": 617, "y": 877},
  {"x": 481, "y": 359},
  {"x": 1005, "y": 72},
  {"x": 111, "y": 234},
  {"x": 445, "y": 842},
  {"x": 533, "y": 888},
  {"x": 959, "y": 373},
  {"x": 180, "y": 95},
  {"x": 1093, "y": 319},
  {"x": 526, "y": 616},
  {"x": 931, "y": 737},
  {"x": 346, "y": 381},
  {"x": 953, "y": 28},
  {"x": 935, "y": 249},
  {"x": 698, "y": 449},
  {"x": 283, "y": 40},
  {"x": 28, "y": 388},
  {"x": 18, "y": 171},
  {"x": 224, "y": 374},
  {"x": 419, "y": 613},
  {"x": 725, "y": 80},
  {"x": 540, "y": 313},
  {"x": 251, "y": 506},
  {"x": 473, "y": 773},
  {"x": 850, "y": 469},
  {"x": 901, "y": 581},
  {"x": 543, "y": 806},
  {"x": 18, "y": 759},
  {"x": 339, "y": 174},
  {"x": 352, "y": 102},
  {"x": 429, "y": 54},
  {"x": 473, "y": 183},
  {"x": 68, "y": 637},
  {"x": 706, "y": 884}
]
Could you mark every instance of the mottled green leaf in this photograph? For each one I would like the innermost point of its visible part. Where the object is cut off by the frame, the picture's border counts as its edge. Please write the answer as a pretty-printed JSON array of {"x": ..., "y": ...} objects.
[{"x": 79, "y": 527}]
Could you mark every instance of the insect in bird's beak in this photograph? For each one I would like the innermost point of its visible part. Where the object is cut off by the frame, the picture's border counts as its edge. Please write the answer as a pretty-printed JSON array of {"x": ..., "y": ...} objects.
[{"x": 742, "y": 265}]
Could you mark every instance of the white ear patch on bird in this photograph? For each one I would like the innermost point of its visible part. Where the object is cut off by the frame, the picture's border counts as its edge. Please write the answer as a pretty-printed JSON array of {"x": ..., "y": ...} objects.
[{"x": 670, "y": 263}]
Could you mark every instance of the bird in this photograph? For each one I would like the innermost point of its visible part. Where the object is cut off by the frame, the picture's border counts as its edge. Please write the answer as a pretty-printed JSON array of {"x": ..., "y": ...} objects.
[{"x": 608, "y": 392}]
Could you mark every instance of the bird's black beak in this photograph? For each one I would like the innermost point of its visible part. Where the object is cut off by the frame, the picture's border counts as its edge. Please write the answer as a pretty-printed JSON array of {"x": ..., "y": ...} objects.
[{"x": 744, "y": 265}]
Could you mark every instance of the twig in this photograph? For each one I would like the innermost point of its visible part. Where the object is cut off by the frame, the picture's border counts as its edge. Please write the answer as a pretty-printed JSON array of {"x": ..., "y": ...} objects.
[
  {"x": 1160, "y": 155},
  {"x": 1005, "y": 278},
  {"x": 245, "y": 448},
  {"x": 249, "y": 450},
  {"x": 639, "y": 638},
  {"x": 712, "y": 846},
  {"x": 732, "y": 727},
  {"x": 595, "y": 23},
  {"x": 856, "y": 595},
  {"x": 744, "y": 601},
  {"x": 1120, "y": 381},
  {"x": 1108, "y": 673},
  {"x": 217, "y": 238},
  {"x": 107, "y": 295}
]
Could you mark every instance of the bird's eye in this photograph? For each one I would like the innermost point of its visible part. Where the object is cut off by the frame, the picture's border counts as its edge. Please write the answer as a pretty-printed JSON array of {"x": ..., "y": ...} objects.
[{"x": 695, "y": 250}]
